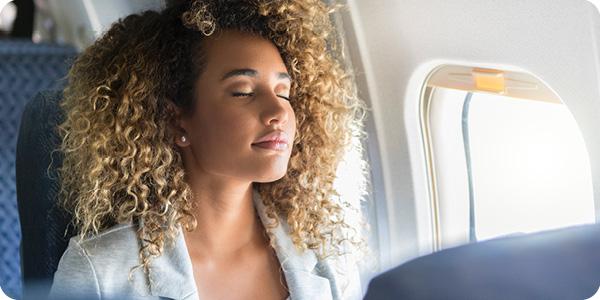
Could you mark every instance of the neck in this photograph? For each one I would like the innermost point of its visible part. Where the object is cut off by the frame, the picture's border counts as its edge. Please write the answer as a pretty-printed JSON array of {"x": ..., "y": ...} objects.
[{"x": 227, "y": 220}]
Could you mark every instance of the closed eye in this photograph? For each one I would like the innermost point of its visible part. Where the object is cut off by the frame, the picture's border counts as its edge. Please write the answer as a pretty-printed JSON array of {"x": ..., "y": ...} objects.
[
  {"x": 242, "y": 94},
  {"x": 252, "y": 94}
]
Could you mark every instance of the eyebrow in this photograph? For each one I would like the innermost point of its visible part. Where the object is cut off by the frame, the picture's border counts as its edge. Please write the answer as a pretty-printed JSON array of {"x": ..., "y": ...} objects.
[{"x": 252, "y": 73}]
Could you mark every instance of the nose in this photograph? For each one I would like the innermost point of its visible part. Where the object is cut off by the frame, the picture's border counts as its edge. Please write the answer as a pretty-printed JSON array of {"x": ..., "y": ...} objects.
[{"x": 274, "y": 110}]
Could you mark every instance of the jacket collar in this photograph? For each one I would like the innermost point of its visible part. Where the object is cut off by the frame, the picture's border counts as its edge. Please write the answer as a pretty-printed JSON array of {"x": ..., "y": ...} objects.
[
  {"x": 171, "y": 274},
  {"x": 298, "y": 267}
]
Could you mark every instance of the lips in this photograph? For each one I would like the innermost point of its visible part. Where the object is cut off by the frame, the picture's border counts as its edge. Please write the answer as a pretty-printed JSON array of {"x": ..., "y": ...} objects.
[
  {"x": 273, "y": 145},
  {"x": 275, "y": 140}
]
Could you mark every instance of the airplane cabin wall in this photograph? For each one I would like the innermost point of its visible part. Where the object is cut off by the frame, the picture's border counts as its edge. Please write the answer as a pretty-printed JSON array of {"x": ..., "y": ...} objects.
[{"x": 396, "y": 44}]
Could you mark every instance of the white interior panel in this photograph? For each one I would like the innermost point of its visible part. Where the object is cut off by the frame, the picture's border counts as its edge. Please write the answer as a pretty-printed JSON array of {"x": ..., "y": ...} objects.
[{"x": 399, "y": 42}]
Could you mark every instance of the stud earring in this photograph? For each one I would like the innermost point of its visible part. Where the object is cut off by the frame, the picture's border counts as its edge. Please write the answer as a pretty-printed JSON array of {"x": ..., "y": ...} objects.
[{"x": 183, "y": 139}]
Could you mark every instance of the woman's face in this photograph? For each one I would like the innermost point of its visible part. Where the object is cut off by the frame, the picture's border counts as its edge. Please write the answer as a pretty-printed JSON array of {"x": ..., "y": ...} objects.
[{"x": 240, "y": 98}]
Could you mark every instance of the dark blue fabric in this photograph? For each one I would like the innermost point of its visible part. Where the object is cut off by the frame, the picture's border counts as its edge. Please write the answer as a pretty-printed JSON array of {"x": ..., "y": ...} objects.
[
  {"x": 44, "y": 225},
  {"x": 25, "y": 69},
  {"x": 557, "y": 264}
]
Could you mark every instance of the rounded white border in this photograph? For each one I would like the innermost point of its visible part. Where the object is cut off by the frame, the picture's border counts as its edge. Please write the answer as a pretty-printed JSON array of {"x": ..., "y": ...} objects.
[{"x": 3, "y": 296}]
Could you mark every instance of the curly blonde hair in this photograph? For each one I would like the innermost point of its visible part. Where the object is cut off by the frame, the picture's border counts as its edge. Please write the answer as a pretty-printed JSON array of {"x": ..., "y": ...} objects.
[{"x": 120, "y": 162}]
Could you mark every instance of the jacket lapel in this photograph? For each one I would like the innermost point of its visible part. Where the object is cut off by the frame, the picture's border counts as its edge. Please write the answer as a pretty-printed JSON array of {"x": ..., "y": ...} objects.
[
  {"x": 171, "y": 274},
  {"x": 298, "y": 268}
]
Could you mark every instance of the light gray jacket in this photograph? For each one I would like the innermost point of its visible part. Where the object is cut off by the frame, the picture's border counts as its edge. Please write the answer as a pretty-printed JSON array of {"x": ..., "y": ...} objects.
[{"x": 98, "y": 268}]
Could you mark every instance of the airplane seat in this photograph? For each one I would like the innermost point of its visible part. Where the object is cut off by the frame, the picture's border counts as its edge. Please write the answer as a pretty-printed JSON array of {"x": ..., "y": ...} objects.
[
  {"x": 45, "y": 226},
  {"x": 555, "y": 264},
  {"x": 26, "y": 69}
]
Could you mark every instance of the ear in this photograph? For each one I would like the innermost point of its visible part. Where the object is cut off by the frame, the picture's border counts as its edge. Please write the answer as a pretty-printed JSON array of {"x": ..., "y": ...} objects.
[{"x": 178, "y": 124}]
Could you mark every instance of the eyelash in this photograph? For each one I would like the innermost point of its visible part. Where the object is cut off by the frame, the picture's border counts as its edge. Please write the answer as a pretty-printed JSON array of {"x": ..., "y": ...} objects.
[{"x": 251, "y": 94}]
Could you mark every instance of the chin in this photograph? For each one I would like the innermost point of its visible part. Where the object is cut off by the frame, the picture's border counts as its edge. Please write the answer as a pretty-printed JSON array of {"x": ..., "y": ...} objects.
[{"x": 273, "y": 176}]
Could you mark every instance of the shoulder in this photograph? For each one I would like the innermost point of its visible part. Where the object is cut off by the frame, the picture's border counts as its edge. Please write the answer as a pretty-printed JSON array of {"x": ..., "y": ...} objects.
[
  {"x": 112, "y": 247},
  {"x": 305, "y": 271},
  {"x": 99, "y": 264},
  {"x": 116, "y": 238}
]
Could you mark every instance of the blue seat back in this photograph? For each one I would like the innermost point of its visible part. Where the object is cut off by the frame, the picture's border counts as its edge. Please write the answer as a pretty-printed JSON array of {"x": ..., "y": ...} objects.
[
  {"x": 25, "y": 69},
  {"x": 557, "y": 264}
]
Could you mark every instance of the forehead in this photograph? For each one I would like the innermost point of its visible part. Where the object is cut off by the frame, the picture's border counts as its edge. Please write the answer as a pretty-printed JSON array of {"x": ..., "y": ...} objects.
[{"x": 234, "y": 49}]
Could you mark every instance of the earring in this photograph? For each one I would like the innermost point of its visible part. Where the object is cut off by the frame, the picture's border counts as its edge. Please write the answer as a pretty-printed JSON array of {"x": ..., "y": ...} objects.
[{"x": 183, "y": 139}]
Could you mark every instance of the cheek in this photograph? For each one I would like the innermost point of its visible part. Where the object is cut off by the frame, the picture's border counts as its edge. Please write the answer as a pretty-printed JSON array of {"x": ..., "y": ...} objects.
[
  {"x": 223, "y": 130},
  {"x": 293, "y": 118},
  {"x": 292, "y": 123}
]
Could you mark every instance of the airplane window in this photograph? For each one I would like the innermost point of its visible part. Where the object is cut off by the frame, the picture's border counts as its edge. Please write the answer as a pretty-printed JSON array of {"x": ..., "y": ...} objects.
[{"x": 506, "y": 156}]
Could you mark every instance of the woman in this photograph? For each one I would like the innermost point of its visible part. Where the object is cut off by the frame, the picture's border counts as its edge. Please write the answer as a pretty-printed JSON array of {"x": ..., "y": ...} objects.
[{"x": 200, "y": 148}]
